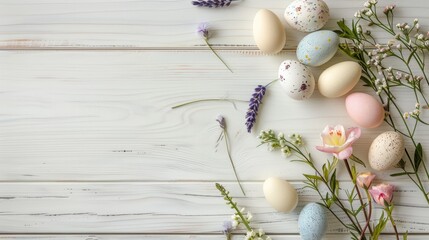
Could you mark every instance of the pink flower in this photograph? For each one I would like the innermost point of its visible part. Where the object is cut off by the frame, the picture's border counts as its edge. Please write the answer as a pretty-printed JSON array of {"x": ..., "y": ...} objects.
[
  {"x": 338, "y": 141},
  {"x": 382, "y": 193},
  {"x": 364, "y": 180}
]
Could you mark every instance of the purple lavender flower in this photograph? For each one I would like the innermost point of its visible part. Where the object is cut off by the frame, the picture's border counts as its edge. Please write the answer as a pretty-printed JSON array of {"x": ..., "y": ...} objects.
[
  {"x": 221, "y": 120},
  {"x": 227, "y": 227},
  {"x": 254, "y": 103},
  {"x": 212, "y": 3},
  {"x": 203, "y": 31}
]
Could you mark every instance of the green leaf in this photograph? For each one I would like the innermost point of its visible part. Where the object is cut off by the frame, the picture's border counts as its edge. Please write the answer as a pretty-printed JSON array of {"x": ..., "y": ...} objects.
[
  {"x": 401, "y": 174},
  {"x": 333, "y": 180},
  {"x": 314, "y": 177},
  {"x": 418, "y": 157},
  {"x": 325, "y": 172},
  {"x": 405, "y": 235},
  {"x": 357, "y": 160}
]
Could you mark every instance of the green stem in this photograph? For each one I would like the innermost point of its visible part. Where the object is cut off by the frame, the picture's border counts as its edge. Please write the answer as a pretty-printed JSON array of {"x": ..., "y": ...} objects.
[
  {"x": 228, "y": 150},
  {"x": 210, "y": 46},
  {"x": 389, "y": 213},
  {"x": 368, "y": 196},
  {"x": 233, "y": 206},
  {"x": 358, "y": 192},
  {"x": 208, "y": 100}
]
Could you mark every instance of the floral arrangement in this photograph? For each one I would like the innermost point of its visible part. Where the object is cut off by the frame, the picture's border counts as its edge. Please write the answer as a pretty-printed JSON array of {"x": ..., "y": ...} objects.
[
  {"x": 348, "y": 204},
  {"x": 374, "y": 58},
  {"x": 338, "y": 142}
]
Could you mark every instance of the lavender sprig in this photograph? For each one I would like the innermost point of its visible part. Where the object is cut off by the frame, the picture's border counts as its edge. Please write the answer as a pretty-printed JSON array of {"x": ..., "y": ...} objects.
[
  {"x": 212, "y": 3},
  {"x": 203, "y": 32},
  {"x": 224, "y": 135},
  {"x": 254, "y": 104}
]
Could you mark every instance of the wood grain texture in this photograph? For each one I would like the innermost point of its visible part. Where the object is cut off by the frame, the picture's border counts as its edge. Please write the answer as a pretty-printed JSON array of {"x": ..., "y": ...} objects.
[
  {"x": 162, "y": 208},
  {"x": 177, "y": 237},
  {"x": 91, "y": 149},
  {"x": 106, "y": 115},
  {"x": 156, "y": 23}
]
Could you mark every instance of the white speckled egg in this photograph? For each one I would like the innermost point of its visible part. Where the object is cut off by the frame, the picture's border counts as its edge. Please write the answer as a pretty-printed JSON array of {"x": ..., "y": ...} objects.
[
  {"x": 268, "y": 32},
  {"x": 386, "y": 150},
  {"x": 307, "y": 15},
  {"x": 317, "y": 48},
  {"x": 339, "y": 79},
  {"x": 296, "y": 79},
  {"x": 312, "y": 222},
  {"x": 280, "y": 194}
]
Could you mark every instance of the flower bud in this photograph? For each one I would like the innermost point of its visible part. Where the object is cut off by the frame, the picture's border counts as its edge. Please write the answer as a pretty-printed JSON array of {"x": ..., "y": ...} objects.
[
  {"x": 382, "y": 194},
  {"x": 365, "y": 179}
]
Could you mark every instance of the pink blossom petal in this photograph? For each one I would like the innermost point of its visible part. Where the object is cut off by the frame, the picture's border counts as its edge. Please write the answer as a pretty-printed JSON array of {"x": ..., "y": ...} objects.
[
  {"x": 329, "y": 149},
  {"x": 352, "y": 135},
  {"x": 346, "y": 153}
]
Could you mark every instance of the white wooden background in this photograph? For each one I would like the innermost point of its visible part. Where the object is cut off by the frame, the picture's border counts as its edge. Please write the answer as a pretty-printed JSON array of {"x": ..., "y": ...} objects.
[{"x": 91, "y": 149}]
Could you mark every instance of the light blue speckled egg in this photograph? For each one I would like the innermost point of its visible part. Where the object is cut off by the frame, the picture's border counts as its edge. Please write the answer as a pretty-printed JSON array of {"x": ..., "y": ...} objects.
[
  {"x": 317, "y": 48},
  {"x": 312, "y": 222}
]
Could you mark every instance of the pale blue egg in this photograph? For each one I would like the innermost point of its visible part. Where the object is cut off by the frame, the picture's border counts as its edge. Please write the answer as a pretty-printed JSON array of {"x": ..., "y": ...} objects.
[
  {"x": 317, "y": 48},
  {"x": 312, "y": 222}
]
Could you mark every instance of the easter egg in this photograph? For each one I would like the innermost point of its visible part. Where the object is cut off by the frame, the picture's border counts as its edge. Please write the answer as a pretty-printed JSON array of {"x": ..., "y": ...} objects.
[
  {"x": 386, "y": 150},
  {"x": 339, "y": 79},
  {"x": 365, "y": 110},
  {"x": 296, "y": 79},
  {"x": 280, "y": 194},
  {"x": 307, "y": 15},
  {"x": 317, "y": 48},
  {"x": 312, "y": 222},
  {"x": 268, "y": 32}
]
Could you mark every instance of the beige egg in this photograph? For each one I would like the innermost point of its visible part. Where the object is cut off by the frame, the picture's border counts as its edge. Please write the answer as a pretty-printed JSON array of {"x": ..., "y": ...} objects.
[
  {"x": 280, "y": 194},
  {"x": 386, "y": 150},
  {"x": 268, "y": 32},
  {"x": 339, "y": 79}
]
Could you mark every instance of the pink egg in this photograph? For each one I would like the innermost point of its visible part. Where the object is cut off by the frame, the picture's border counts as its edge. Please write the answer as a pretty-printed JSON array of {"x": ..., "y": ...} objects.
[{"x": 365, "y": 110}]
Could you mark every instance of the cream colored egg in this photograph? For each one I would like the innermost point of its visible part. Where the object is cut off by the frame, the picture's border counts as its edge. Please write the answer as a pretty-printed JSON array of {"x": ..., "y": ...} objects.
[
  {"x": 386, "y": 150},
  {"x": 280, "y": 194},
  {"x": 339, "y": 79},
  {"x": 268, "y": 32}
]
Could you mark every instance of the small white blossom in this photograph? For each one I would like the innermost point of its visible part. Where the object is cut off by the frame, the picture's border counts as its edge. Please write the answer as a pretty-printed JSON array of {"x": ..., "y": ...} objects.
[
  {"x": 368, "y": 13},
  {"x": 416, "y": 20},
  {"x": 367, "y": 4},
  {"x": 358, "y": 14},
  {"x": 420, "y": 37},
  {"x": 417, "y": 106},
  {"x": 249, "y": 216},
  {"x": 406, "y": 115}
]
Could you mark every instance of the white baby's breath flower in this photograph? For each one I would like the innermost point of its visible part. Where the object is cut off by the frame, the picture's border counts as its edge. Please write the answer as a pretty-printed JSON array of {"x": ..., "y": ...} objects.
[
  {"x": 249, "y": 216},
  {"x": 406, "y": 115}
]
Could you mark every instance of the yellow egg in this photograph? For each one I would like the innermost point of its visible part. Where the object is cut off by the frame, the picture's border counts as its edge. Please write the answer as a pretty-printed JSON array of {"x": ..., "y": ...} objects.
[
  {"x": 280, "y": 194},
  {"x": 268, "y": 32},
  {"x": 339, "y": 79}
]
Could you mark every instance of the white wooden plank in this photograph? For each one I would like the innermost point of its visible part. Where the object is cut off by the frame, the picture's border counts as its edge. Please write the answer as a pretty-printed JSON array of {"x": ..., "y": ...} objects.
[
  {"x": 178, "y": 237},
  {"x": 144, "y": 208},
  {"x": 106, "y": 115},
  {"x": 166, "y": 23}
]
